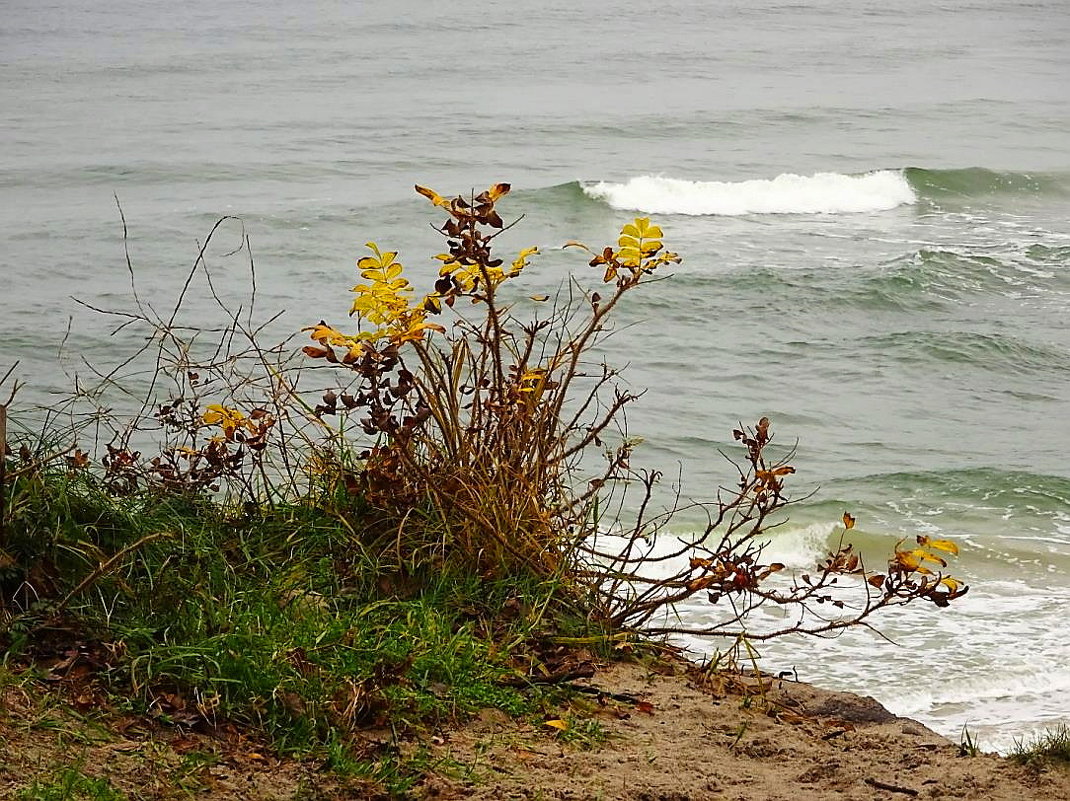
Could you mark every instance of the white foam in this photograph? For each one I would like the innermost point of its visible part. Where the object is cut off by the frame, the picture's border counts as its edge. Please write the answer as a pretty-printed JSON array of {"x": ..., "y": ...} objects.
[
  {"x": 800, "y": 546},
  {"x": 821, "y": 193}
]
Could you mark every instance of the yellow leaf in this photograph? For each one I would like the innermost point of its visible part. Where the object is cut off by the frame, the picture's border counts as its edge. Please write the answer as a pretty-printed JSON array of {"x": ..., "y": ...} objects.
[
  {"x": 557, "y": 723},
  {"x": 356, "y": 350},
  {"x": 628, "y": 241},
  {"x": 432, "y": 195},
  {"x": 326, "y": 335},
  {"x": 926, "y": 556},
  {"x": 540, "y": 298},
  {"x": 950, "y": 583},
  {"x": 494, "y": 192},
  {"x": 906, "y": 560},
  {"x": 848, "y": 521},
  {"x": 521, "y": 260},
  {"x": 947, "y": 546}
]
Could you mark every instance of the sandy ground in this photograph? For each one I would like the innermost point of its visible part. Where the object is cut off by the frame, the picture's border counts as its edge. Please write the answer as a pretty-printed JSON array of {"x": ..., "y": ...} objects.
[
  {"x": 648, "y": 733},
  {"x": 678, "y": 737}
]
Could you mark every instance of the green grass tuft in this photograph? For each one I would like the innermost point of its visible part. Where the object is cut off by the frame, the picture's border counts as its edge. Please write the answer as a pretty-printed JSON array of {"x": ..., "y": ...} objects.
[
  {"x": 1050, "y": 748},
  {"x": 68, "y": 783}
]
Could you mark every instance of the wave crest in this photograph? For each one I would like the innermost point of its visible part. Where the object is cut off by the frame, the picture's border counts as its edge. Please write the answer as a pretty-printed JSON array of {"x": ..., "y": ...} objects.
[{"x": 821, "y": 193}]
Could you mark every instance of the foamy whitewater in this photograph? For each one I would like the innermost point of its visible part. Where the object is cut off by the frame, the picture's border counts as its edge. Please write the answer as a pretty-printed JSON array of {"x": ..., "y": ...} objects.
[
  {"x": 872, "y": 205},
  {"x": 821, "y": 193}
]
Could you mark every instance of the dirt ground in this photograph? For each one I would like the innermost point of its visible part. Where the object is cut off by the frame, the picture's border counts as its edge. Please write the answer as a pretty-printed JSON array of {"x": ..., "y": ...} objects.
[
  {"x": 674, "y": 739},
  {"x": 656, "y": 733}
]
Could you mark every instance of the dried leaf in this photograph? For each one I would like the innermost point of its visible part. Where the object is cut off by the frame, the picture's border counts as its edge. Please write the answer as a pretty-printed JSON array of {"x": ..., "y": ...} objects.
[
  {"x": 556, "y": 723},
  {"x": 848, "y": 521}
]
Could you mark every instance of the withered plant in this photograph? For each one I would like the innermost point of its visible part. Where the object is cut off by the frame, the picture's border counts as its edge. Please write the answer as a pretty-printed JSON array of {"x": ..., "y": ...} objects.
[
  {"x": 477, "y": 431},
  {"x": 721, "y": 570},
  {"x": 479, "y": 421}
]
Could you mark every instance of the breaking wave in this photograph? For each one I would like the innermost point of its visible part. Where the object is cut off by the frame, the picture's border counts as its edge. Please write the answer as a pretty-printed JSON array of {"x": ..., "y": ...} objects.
[{"x": 821, "y": 193}]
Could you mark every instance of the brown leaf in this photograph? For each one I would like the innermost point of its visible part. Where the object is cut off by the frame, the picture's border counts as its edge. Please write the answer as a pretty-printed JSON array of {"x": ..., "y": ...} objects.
[
  {"x": 497, "y": 191},
  {"x": 700, "y": 583},
  {"x": 848, "y": 521},
  {"x": 126, "y": 745}
]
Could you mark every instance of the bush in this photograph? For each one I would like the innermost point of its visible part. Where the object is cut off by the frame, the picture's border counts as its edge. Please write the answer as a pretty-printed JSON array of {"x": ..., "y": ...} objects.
[{"x": 458, "y": 445}]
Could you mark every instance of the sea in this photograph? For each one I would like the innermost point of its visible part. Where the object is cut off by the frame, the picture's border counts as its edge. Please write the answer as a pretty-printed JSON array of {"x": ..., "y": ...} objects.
[{"x": 871, "y": 199}]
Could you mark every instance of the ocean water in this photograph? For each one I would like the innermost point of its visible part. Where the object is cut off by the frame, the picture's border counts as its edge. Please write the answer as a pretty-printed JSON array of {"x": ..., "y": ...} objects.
[{"x": 872, "y": 201}]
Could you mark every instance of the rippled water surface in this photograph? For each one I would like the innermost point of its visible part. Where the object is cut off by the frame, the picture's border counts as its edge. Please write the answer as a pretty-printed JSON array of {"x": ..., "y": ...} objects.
[{"x": 873, "y": 202}]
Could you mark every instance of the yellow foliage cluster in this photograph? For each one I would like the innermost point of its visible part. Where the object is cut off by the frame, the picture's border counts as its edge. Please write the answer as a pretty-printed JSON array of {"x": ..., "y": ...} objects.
[
  {"x": 639, "y": 252},
  {"x": 922, "y": 561},
  {"x": 473, "y": 419},
  {"x": 229, "y": 420},
  {"x": 387, "y": 303},
  {"x": 917, "y": 560},
  {"x": 469, "y": 276}
]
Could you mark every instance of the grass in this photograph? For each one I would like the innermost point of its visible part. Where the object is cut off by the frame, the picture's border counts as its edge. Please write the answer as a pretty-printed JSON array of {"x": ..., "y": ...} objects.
[
  {"x": 276, "y": 618},
  {"x": 68, "y": 783},
  {"x": 1044, "y": 750},
  {"x": 968, "y": 743}
]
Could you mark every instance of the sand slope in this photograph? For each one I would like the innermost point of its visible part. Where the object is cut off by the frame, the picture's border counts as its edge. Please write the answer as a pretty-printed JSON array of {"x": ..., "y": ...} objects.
[{"x": 685, "y": 741}]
